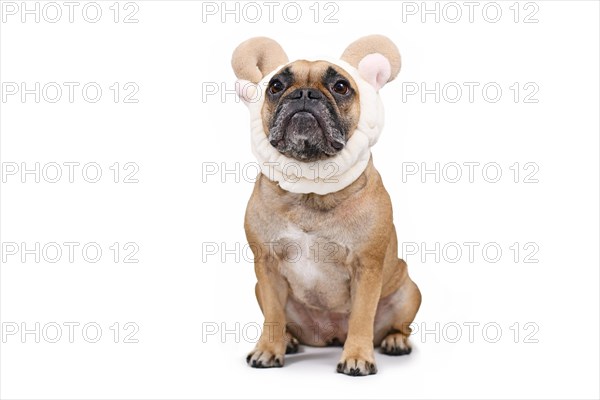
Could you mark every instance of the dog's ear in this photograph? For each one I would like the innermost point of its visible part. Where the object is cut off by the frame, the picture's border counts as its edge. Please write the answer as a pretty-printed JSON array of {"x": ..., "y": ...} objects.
[
  {"x": 376, "y": 58},
  {"x": 252, "y": 60}
]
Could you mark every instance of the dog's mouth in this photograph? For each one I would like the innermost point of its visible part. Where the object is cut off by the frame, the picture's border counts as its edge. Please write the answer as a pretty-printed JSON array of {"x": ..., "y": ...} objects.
[{"x": 306, "y": 136}]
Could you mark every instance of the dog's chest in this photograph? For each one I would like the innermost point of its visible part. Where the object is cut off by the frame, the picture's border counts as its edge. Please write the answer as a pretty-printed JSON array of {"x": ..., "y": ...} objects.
[{"x": 316, "y": 268}]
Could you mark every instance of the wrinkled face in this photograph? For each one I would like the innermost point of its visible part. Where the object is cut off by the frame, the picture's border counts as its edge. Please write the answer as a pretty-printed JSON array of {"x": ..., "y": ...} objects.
[{"x": 310, "y": 110}]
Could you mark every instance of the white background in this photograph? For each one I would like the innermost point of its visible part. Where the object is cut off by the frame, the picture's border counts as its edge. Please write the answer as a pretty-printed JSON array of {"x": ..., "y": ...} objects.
[{"x": 177, "y": 128}]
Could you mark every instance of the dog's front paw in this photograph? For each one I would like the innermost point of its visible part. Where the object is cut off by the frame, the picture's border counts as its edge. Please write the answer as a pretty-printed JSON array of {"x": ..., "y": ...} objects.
[
  {"x": 266, "y": 357},
  {"x": 357, "y": 364},
  {"x": 395, "y": 344}
]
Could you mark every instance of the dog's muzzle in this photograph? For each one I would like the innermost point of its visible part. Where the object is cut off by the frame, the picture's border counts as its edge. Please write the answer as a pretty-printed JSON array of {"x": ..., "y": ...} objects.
[{"x": 306, "y": 127}]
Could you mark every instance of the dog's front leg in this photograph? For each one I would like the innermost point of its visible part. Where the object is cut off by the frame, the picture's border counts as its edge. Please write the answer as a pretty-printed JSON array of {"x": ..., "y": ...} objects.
[
  {"x": 358, "y": 356},
  {"x": 272, "y": 292}
]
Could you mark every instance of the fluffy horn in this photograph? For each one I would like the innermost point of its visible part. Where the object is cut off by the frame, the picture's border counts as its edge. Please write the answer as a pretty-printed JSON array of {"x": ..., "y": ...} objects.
[
  {"x": 256, "y": 57},
  {"x": 366, "y": 45}
]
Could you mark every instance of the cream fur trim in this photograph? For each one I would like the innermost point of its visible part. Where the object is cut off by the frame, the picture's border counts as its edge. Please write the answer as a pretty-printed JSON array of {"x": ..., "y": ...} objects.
[{"x": 324, "y": 176}]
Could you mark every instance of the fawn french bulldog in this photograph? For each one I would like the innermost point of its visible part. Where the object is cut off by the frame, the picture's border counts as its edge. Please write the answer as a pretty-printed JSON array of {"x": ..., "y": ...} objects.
[{"x": 319, "y": 219}]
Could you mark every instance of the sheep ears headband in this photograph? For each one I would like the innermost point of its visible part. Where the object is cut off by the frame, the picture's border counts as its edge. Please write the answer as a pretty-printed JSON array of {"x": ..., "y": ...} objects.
[
  {"x": 376, "y": 58},
  {"x": 372, "y": 61}
]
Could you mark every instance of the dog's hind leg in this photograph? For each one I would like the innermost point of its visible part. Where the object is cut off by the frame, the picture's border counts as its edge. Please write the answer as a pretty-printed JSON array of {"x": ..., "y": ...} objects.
[{"x": 407, "y": 300}]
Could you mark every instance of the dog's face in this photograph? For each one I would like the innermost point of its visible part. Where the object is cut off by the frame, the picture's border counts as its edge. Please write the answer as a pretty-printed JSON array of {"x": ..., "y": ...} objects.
[{"x": 311, "y": 108}]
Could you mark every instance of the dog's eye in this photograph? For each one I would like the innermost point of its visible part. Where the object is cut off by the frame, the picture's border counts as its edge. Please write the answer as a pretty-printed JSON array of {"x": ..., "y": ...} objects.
[
  {"x": 276, "y": 86},
  {"x": 341, "y": 87}
]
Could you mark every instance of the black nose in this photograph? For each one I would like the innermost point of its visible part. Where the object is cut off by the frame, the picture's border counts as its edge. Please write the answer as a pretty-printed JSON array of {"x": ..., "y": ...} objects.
[{"x": 306, "y": 93}]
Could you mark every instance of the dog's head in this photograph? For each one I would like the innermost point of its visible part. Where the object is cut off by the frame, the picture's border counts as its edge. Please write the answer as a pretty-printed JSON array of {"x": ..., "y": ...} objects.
[{"x": 310, "y": 109}]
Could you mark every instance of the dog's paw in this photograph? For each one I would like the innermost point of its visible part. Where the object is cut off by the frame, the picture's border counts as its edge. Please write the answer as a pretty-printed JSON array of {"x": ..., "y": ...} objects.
[
  {"x": 356, "y": 365},
  {"x": 265, "y": 358},
  {"x": 395, "y": 344},
  {"x": 292, "y": 345}
]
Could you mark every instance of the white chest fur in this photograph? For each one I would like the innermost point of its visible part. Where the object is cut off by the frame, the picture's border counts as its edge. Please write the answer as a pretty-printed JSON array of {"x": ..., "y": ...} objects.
[{"x": 316, "y": 269}]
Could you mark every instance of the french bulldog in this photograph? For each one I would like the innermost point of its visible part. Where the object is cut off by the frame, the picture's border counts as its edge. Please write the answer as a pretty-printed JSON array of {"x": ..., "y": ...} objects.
[{"x": 319, "y": 220}]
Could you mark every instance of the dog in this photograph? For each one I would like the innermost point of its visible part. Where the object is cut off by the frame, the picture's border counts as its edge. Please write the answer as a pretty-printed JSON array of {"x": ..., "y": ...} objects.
[{"x": 319, "y": 220}]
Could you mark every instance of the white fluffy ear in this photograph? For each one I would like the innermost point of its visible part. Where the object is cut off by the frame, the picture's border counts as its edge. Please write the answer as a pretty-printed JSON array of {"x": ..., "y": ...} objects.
[
  {"x": 247, "y": 91},
  {"x": 375, "y": 69}
]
